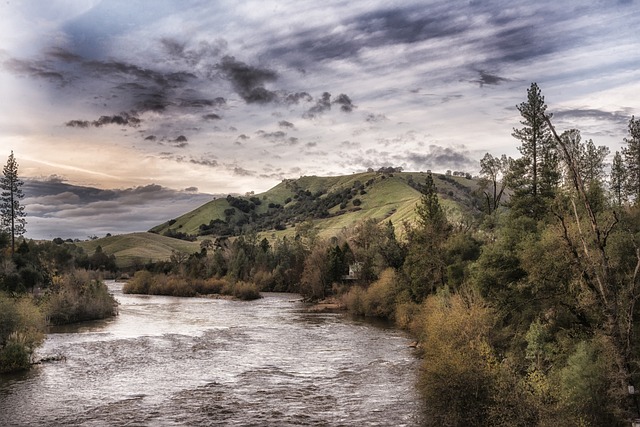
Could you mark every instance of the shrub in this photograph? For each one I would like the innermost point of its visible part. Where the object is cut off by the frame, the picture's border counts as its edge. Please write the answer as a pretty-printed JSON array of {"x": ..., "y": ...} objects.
[
  {"x": 245, "y": 291},
  {"x": 139, "y": 284},
  {"x": 22, "y": 327},
  {"x": 456, "y": 377},
  {"x": 14, "y": 356},
  {"x": 77, "y": 297},
  {"x": 353, "y": 300},
  {"x": 380, "y": 298}
]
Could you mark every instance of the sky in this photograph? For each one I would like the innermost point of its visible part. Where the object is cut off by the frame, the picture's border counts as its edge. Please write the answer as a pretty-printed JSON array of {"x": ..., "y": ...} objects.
[{"x": 123, "y": 114}]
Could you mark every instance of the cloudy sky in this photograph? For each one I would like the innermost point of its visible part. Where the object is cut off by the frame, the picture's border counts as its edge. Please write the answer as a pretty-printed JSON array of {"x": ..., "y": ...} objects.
[{"x": 112, "y": 105}]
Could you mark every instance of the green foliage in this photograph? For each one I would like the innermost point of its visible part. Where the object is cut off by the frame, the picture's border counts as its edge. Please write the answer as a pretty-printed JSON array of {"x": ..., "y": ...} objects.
[
  {"x": 631, "y": 155},
  {"x": 587, "y": 394},
  {"x": 534, "y": 178},
  {"x": 12, "y": 214},
  {"x": 22, "y": 326}
]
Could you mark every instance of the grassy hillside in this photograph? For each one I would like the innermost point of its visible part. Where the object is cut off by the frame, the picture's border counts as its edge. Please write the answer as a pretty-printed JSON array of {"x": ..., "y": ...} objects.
[
  {"x": 333, "y": 203},
  {"x": 139, "y": 248}
]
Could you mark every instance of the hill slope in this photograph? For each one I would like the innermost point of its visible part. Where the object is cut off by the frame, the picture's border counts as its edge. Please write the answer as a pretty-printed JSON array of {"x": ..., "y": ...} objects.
[
  {"x": 331, "y": 202},
  {"x": 139, "y": 248}
]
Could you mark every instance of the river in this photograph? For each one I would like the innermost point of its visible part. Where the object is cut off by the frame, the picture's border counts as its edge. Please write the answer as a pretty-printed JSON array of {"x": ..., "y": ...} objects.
[{"x": 169, "y": 361}]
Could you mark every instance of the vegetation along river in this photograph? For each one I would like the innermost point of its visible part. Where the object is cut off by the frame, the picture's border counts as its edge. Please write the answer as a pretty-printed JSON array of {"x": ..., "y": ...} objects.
[{"x": 200, "y": 361}]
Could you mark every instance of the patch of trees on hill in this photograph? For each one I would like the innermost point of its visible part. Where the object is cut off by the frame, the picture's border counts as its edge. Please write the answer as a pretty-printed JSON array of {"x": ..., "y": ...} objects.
[{"x": 301, "y": 206}]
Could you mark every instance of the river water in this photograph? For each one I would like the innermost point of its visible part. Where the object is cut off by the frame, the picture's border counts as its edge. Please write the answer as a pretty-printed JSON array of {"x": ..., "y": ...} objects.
[{"x": 196, "y": 361}]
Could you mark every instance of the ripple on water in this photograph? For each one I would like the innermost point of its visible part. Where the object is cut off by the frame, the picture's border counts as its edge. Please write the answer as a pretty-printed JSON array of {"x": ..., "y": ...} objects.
[{"x": 177, "y": 361}]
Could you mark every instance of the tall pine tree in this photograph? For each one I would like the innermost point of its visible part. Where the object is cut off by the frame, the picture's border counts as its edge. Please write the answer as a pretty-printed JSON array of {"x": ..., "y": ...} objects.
[
  {"x": 631, "y": 155},
  {"x": 11, "y": 211},
  {"x": 539, "y": 161},
  {"x": 617, "y": 179}
]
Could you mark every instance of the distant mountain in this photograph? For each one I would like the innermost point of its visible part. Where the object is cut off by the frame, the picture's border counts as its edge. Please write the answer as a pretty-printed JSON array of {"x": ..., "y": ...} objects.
[{"x": 332, "y": 203}]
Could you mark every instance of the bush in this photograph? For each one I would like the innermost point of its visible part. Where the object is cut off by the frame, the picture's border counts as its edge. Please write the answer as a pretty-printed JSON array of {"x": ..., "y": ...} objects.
[
  {"x": 139, "y": 284},
  {"x": 245, "y": 291},
  {"x": 456, "y": 377},
  {"x": 353, "y": 300},
  {"x": 379, "y": 300},
  {"x": 22, "y": 327},
  {"x": 14, "y": 356},
  {"x": 77, "y": 297}
]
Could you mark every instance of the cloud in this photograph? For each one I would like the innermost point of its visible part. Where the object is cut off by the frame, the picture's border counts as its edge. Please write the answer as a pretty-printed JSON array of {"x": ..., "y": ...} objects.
[
  {"x": 374, "y": 118},
  {"x": 489, "y": 79},
  {"x": 322, "y": 104},
  {"x": 285, "y": 124},
  {"x": 345, "y": 103},
  {"x": 57, "y": 209},
  {"x": 619, "y": 118},
  {"x": 248, "y": 81},
  {"x": 211, "y": 116}
]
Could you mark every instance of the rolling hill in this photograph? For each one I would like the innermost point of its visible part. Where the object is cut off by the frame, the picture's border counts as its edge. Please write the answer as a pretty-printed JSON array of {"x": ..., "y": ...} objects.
[
  {"x": 332, "y": 203},
  {"x": 139, "y": 248}
]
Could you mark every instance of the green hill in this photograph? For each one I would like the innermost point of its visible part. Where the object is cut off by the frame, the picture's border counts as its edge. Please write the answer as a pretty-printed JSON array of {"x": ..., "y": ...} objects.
[
  {"x": 139, "y": 248},
  {"x": 332, "y": 203}
]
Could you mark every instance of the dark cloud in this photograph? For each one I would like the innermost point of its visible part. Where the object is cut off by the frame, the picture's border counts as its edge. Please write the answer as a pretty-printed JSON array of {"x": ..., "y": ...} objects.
[
  {"x": 285, "y": 124},
  {"x": 322, "y": 104},
  {"x": 191, "y": 189},
  {"x": 78, "y": 123},
  {"x": 36, "y": 69},
  {"x": 181, "y": 138},
  {"x": 619, "y": 118},
  {"x": 243, "y": 137},
  {"x": 193, "y": 56},
  {"x": 122, "y": 119},
  {"x": 248, "y": 81},
  {"x": 212, "y": 163},
  {"x": 201, "y": 103},
  {"x": 489, "y": 79},
  {"x": 277, "y": 135},
  {"x": 151, "y": 138},
  {"x": 211, "y": 116},
  {"x": 345, "y": 103},
  {"x": 295, "y": 98}
]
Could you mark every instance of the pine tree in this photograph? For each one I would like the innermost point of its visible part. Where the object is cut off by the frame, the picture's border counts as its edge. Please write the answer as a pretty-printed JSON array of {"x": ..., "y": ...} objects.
[
  {"x": 11, "y": 211},
  {"x": 540, "y": 158},
  {"x": 631, "y": 155},
  {"x": 617, "y": 179}
]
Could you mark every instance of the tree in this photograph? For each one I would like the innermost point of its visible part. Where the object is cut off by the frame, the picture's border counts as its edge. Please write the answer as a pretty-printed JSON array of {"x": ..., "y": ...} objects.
[
  {"x": 614, "y": 291},
  {"x": 617, "y": 179},
  {"x": 490, "y": 169},
  {"x": 12, "y": 212},
  {"x": 540, "y": 159},
  {"x": 631, "y": 155},
  {"x": 424, "y": 264}
]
